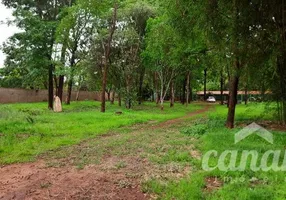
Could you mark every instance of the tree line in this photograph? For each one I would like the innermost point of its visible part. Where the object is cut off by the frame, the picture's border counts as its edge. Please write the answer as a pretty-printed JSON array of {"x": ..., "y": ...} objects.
[{"x": 149, "y": 49}]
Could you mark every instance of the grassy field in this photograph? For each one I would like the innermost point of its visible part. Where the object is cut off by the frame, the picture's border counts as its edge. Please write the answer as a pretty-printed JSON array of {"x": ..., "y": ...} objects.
[
  {"x": 166, "y": 158},
  {"x": 245, "y": 185},
  {"x": 27, "y": 130}
]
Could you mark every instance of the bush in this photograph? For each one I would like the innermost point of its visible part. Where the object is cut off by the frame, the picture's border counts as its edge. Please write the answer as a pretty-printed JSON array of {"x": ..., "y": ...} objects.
[{"x": 196, "y": 130}]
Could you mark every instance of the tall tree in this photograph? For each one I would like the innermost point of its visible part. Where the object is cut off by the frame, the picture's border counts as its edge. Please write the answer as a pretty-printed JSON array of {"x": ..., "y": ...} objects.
[
  {"x": 230, "y": 32},
  {"x": 74, "y": 34},
  {"x": 38, "y": 20},
  {"x": 107, "y": 50},
  {"x": 162, "y": 51}
]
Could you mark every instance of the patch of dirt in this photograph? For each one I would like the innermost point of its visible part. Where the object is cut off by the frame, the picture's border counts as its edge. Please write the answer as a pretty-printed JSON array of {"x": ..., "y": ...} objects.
[
  {"x": 36, "y": 181},
  {"x": 275, "y": 126},
  {"x": 196, "y": 154},
  {"x": 115, "y": 177},
  {"x": 212, "y": 184},
  {"x": 270, "y": 125}
]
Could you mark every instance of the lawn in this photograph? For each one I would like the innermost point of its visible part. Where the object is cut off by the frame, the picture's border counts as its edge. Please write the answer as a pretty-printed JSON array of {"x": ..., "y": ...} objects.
[
  {"x": 216, "y": 185},
  {"x": 27, "y": 130},
  {"x": 169, "y": 157}
]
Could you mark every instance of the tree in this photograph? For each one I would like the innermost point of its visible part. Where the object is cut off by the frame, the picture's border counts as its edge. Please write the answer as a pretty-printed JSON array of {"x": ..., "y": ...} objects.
[
  {"x": 74, "y": 35},
  {"x": 271, "y": 16},
  {"x": 230, "y": 27},
  {"x": 161, "y": 51},
  {"x": 186, "y": 19},
  {"x": 140, "y": 13},
  {"x": 126, "y": 62},
  {"x": 38, "y": 20},
  {"x": 107, "y": 50}
]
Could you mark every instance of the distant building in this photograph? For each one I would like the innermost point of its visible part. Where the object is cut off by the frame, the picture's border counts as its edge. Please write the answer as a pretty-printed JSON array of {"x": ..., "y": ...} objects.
[{"x": 240, "y": 95}]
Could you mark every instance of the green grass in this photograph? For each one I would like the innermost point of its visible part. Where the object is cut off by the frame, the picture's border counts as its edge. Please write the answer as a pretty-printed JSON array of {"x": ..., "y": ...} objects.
[
  {"x": 27, "y": 130},
  {"x": 249, "y": 112},
  {"x": 212, "y": 135}
]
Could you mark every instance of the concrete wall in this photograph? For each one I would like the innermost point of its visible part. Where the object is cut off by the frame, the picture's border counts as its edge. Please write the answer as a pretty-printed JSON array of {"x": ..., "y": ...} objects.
[{"x": 29, "y": 96}]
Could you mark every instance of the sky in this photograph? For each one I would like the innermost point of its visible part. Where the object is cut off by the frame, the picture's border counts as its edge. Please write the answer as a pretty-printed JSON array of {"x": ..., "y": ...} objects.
[{"x": 5, "y": 31}]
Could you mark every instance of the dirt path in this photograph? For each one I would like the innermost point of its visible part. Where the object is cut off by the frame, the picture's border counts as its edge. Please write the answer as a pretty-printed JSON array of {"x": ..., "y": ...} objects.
[
  {"x": 190, "y": 115},
  {"x": 110, "y": 167}
]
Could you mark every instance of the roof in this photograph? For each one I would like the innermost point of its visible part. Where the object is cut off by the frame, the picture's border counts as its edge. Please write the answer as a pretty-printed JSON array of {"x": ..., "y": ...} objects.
[{"x": 227, "y": 92}]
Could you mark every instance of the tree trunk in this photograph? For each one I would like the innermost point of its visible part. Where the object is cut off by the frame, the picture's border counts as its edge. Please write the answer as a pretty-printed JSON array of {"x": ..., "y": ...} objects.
[
  {"x": 191, "y": 94},
  {"x": 81, "y": 79},
  {"x": 205, "y": 84},
  {"x": 156, "y": 88},
  {"x": 188, "y": 88},
  {"x": 119, "y": 99},
  {"x": 77, "y": 95},
  {"x": 153, "y": 99},
  {"x": 221, "y": 88},
  {"x": 112, "y": 97},
  {"x": 51, "y": 87},
  {"x": 62, "y": 77},
  {"x": 72, "y": 68},
  {"x": 128, "y": 102},
  {"x": 236, "y": 69},
  {"x": 233, "y": 96},
  {"x": 104, "y": 83},
  {"x": 141, "y": 79},
  {"x": 56, "y": 86},
  {"x": 69, "y": 92},
  {"x": 162, "y": 93},
  {"x": 61, "y": 87},
  {"x": 70, "y": 83},
  {"x": 183, "y": 100},
  {"x": 172, "y": 94},
  {"x": 164, "y": 88},
  {"x": 107, "y": 49},
  {"x": 108, "y": 95},
  {"x": 229, "y": 84},
  {"x": 162, "y": 103}
]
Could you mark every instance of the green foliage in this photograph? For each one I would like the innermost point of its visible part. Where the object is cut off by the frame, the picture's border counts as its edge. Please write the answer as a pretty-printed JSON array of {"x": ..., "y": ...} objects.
[
  {"x": 29, "y": 52},
  {"x": 170, "y": 38},
  {"x": 163, "y": 44},
  {"x": 196, "y": 130}
]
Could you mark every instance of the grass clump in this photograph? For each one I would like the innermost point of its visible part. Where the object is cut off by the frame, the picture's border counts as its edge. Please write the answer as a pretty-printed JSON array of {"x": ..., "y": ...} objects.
[{"x": 197, "y": 130}]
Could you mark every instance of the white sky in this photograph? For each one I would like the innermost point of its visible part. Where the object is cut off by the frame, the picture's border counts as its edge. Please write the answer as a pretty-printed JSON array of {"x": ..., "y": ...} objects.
[{"x": 5, "y": 31}]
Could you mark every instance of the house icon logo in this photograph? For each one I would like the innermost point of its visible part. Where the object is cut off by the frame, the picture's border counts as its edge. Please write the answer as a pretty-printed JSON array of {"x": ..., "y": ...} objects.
[
  {"x": 227, "y": 161},
  {"x": 254, "y": 129}
]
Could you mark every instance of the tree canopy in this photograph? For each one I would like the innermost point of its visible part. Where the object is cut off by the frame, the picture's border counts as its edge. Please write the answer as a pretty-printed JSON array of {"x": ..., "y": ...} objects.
[{"x": 148, "y": 49}]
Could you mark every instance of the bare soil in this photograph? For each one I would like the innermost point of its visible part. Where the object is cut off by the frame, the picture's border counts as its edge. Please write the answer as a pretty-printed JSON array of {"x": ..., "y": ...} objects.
[
  {"x": 116, "y": 177},
  {"x": 36, "y": 181},
  {"x": 212, "y": 184},
  {"x": 270, "y": 125}
]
